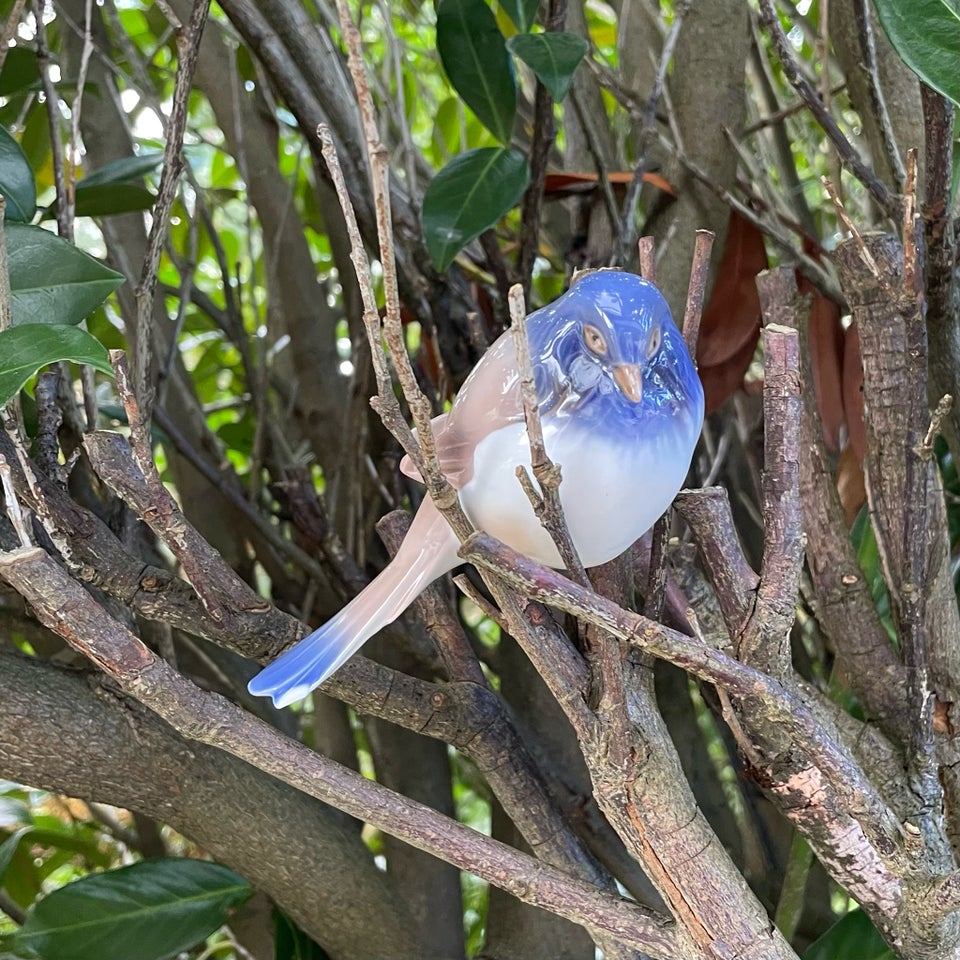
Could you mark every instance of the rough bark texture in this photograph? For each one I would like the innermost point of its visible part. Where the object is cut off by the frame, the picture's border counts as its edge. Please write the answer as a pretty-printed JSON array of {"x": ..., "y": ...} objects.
[{"x": 74, "y": 733}]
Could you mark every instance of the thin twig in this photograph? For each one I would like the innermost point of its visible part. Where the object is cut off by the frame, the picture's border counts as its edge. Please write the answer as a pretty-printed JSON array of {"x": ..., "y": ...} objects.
[
  {"x": 809, "y": 267},
  {"x": 188, "y": 49},
  {"x": 10, "y": 28},
  {"x": 233, "y": 494},
  {"x": 766, "y": 639},
  {"x": 916, "y": 573},
  {"x": 585, "y": 119},
  {"x": 64, "y": 197},
  {"x": 656, "y": 593},
  {"x": 485, "y": 606},
  {"x": 548, "y": 474},
  {"x": 912, "y": 237},
  {"x": 163, "y": 514},
  {"x": 926, "y": 448},
  {"x": 544, "y": 134},
  {"x": 780, "y": 115},
  {"x": 49, "y": 420},
  {"x": 11, "y": 413},
  {"x": 646, "y": 247},
  {"x": 865, "y": 253},
  {"x": 420, "y": 408},
  {"x": 76, "y": 108},
  {"x": 697, "y": 289},
  {"x": 6, "y": 315}
]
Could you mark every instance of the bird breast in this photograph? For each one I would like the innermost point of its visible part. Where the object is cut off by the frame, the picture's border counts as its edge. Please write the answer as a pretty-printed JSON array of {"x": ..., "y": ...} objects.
[{"x": 613, "y": 489}]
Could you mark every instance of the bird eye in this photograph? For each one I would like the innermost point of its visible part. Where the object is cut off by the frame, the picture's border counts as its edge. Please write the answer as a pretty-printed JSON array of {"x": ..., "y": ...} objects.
[
  {"x": 653, "y": 344},
  {"x": 594, "y": 340}
]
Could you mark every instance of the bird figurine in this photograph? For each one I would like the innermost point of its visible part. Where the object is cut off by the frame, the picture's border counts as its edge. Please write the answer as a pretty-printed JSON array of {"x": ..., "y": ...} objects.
[{"x": 621, "y": 408}]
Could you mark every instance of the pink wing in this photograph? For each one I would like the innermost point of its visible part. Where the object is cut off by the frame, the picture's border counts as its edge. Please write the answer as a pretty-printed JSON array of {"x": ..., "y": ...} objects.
[{"x": 488, "y": 400}]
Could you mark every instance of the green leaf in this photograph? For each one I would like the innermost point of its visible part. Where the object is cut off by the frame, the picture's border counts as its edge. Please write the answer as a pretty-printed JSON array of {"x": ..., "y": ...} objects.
[
  {"x": 9, "y": 847},
  {"x": 851, "y": 936},
  {"x": 28, "y": 347},
  {"x": 291, "y": 943},
  {"x": 553, "y": 57},
  {"x": 521, "y": 12},
  {"x": 926, "y": 35},
  {"x": 16, "y": 180},
  {"x": 105, "y": 199},
  {"x": 469, "y": 195},
  {"x": 62, "y": 839},
  {"x": 146, "y": 911},
  {"x": 123, "y": 170},
  {"x": 51, "y": 281},
  {"x": 475, "y": 57},
  {"x": 19, "y": 70}
]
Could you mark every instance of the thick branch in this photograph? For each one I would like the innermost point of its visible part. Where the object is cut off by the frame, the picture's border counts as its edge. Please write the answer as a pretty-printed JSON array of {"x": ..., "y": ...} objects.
[
  {"x": 86, "y": 741},
  {"x": 68, "y": 610},
  {"x": 773, "y": 703}
]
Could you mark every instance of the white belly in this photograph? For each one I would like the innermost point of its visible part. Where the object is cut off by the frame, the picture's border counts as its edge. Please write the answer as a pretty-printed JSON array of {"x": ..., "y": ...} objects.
[{"x": 609, "y": 499}]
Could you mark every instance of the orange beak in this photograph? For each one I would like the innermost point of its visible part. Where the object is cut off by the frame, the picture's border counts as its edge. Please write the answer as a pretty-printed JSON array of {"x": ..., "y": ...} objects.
[{"x": 629, "y": 379}]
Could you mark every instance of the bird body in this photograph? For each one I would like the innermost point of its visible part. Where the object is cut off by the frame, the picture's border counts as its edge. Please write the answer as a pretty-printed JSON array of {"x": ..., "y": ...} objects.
[{"x": 621, "y": 409}]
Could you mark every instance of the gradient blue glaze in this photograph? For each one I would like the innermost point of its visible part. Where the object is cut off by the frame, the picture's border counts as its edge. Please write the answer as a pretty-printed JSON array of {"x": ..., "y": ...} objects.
[{"x": 626, "y": 309}]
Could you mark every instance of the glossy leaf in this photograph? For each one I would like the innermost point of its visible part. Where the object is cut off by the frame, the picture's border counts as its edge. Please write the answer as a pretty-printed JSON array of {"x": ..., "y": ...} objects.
[
  {"x": 851, "y": 936},
  {"x": 469, "y": 195},
  {"x": 147, "y": 911},
  {"x": 20, "y": 70},
  {"x": 105, "y": 199},
  {"x": 16, "y": 181},
  {"x": 926, "y": 35},
  {"x": 523, "y": 13},
  {"x": 51, "y": 281},
  {"x": 553, "y": 57},
  {"x": 476, "y": 61},
  {"x": 27, "y": 348},
  {"x": 123, "y": 170}
]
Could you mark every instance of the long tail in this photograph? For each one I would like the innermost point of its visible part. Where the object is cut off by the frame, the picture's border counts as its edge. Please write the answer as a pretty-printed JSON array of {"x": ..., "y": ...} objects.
[{"x": 428, "y": 551}]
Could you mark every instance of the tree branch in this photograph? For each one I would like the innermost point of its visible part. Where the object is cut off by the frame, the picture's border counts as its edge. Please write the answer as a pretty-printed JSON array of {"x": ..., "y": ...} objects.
[{"x": 65, "y": 608}]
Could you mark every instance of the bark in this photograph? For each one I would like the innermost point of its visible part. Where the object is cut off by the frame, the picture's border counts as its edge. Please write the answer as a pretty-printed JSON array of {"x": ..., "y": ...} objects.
[{"x": 70, "y": 732}]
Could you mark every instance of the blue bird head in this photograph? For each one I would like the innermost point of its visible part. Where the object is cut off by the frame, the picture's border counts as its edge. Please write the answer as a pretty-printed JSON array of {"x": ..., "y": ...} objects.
[{"x": 608, "y": 348}]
